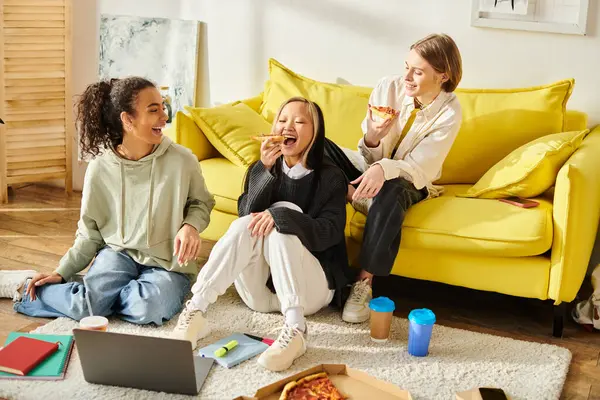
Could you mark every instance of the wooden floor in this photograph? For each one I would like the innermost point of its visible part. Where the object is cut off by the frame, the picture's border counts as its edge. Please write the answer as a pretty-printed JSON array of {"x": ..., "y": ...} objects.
[{"x": 37, "y": 227}]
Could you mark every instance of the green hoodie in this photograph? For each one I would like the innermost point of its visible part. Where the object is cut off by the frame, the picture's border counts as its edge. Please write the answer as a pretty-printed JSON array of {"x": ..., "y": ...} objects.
[{"x": 138, "y": 207}]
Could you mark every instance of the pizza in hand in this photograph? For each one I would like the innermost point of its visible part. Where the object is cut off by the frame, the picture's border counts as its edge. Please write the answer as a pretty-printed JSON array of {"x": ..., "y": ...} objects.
[
  {"x": 383, "y": 111},
  {"x": 312, "y": 387},
  {"x": 273, "y": 137}
]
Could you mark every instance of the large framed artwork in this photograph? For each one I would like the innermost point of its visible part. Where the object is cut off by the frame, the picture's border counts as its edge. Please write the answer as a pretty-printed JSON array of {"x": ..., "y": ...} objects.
[
  {"x": 558, "y": 16},
  {"x": 162, "y": 50}
]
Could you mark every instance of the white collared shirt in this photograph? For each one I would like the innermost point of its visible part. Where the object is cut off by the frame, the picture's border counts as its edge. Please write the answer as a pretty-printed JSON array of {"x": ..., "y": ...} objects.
[
  {"x": 296, "y": 172},
  {"x": 422, "y": 152}
]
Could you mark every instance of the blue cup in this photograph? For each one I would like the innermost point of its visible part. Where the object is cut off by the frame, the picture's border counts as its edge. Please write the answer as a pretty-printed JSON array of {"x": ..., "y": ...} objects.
[{"x": 420, "y": 326}]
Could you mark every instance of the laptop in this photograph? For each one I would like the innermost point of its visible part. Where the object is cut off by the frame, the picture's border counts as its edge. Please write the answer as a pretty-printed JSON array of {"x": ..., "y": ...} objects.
[{"x": 141, "y": 362}]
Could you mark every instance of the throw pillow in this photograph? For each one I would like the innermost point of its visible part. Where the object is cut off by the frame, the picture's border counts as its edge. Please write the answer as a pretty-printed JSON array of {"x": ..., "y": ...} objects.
[
  {"x": 185, "y": 132},
  {"x": 229, "y": 129},
  {"x": 344, "y": 106},
  {"x": 529, "y": 170},
  {"x": 497, "y": 121}
]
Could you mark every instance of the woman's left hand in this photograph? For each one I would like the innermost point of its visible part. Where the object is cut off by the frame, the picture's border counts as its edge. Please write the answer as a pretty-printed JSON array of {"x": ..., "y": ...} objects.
[
  {"x": 187, "y": 244},
  {"x": 371, "y": 183},
  {"x": 262, "y": 223}
]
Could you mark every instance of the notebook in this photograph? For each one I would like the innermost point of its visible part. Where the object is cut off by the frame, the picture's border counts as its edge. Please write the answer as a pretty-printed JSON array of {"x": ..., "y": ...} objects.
[
  {"x": 23, "y": 354},
  {"x": 246, "y": 349},
  {"x": 53, "y": 367}
]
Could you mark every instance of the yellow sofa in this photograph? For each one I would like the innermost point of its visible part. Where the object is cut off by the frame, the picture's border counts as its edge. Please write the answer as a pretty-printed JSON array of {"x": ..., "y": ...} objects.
[{"x": 482, "y": 244}]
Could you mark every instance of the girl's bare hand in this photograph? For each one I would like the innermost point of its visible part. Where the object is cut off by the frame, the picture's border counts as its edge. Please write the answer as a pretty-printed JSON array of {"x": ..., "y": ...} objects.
[
  {"x": 270, "y": 151},
  {"x": 40, "y": 280},
  {"x": 378, "y": 129}
]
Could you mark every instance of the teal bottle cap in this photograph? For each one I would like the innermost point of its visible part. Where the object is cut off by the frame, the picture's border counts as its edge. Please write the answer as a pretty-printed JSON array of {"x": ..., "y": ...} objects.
[
  {"x": 382, "y": 304},
  {"x": 422, "y": 316}
]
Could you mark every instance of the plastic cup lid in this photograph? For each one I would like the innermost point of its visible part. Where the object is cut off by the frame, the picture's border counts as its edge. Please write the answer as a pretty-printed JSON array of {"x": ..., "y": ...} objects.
[
  {"x": 382, "y": 304},
  {"x": 422, "y": 316},
  {"x": 95, "y": 320}
]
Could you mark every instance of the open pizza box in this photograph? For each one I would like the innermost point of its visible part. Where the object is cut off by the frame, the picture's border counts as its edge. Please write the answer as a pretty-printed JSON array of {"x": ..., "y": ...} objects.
[{"x": 351, "y": 382}]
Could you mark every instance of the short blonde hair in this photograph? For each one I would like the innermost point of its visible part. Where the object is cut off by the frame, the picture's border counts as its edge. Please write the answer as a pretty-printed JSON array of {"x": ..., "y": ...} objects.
[
  {"x": 314, "y": 115},
  {"x": 441, "y": 52}
]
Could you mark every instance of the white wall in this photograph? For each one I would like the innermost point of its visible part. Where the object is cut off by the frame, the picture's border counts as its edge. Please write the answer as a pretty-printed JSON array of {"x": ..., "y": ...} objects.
[
  {"x": 141, "y": 8},
  {"x": 360, "y": 41},
  {"x": 352, "y": 41},
  {"x": 85, "y": 63}
]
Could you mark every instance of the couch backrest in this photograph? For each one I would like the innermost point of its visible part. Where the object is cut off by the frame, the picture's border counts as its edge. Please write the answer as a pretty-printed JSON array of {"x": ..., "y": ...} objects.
[
  {"x": 576, "y": 121},
  {"x": 495, "y": 121},
  {"x": 498, "y": 121}
]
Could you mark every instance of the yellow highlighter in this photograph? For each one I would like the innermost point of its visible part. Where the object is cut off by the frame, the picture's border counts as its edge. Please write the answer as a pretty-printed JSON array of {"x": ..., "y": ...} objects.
[{"x": 226, "y": 349}]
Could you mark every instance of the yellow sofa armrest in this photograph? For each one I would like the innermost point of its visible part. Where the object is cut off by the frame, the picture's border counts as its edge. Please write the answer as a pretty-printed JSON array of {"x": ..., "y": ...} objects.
[
  {"x": 576, "y": 214},
  {"x": 185, "y": 132}
]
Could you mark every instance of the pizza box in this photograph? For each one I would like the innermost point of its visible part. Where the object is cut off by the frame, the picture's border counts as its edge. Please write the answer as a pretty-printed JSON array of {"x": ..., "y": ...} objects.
[{"x": 351, "y": 382}]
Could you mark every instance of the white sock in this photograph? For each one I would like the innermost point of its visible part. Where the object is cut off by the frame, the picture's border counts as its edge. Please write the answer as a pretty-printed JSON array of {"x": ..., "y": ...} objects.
[{"x": 295, "y": 316}]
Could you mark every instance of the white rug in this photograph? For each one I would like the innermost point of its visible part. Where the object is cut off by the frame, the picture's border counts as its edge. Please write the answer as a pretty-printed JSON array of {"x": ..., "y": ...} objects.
[{"x": 459, "y": 360}]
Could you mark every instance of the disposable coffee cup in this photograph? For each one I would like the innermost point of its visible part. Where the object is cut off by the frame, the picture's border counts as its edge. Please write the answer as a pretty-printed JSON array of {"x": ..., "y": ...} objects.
[
  {"x": 94, "y": 323},
  {"x": 382, "y": 311},
  {"x": 420, "y": 326}
]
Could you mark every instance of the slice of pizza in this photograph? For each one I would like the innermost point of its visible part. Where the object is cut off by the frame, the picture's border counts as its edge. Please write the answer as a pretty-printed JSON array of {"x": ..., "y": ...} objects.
[
  {"x": 312, "y": 387},
  {"x": 273, "y": 137},
  {"x": 384, "y": 112}
]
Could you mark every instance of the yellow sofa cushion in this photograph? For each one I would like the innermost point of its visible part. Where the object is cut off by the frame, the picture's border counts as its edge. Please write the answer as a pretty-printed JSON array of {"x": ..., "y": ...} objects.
[
  {"x": 344, "y": 106},
  {"x": 225, "y": 181},
  {"x": 529, "y": 170},
  {"x": 477, "y": 226},
  {"x": 497, "y": 121},
  {"x": 229, "y": 129},
  {"x": 185, "y": 132}
]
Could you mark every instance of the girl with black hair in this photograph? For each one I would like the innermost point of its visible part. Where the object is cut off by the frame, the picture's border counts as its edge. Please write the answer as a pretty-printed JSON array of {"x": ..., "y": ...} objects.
[
  {"x": 143, "y": 204},
  {"x": 287, "y": 251}
]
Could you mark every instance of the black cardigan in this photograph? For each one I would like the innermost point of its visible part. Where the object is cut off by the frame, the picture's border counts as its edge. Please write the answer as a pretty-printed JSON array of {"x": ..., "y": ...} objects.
[{"x": 322, "y": 196}]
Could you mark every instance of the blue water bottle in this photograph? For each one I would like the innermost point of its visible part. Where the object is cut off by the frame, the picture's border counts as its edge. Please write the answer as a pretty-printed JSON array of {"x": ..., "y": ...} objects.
[{"x": 420, "y": 326}]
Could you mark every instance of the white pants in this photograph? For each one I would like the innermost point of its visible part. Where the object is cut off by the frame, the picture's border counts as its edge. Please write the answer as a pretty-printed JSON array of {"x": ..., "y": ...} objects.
[{"x": 248, "y": 261}]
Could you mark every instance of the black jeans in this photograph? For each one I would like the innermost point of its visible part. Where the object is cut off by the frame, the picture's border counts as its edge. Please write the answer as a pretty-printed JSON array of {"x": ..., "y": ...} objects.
[{"x": 383, "y": 230}]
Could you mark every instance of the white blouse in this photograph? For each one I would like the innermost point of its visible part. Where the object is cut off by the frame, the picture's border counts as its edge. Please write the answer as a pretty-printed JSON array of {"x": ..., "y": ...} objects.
[{"x": 422, "y": 152}]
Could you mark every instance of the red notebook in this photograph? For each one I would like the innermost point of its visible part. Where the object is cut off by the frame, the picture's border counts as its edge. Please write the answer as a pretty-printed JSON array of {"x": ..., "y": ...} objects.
[{"x": 23, "y": 354}]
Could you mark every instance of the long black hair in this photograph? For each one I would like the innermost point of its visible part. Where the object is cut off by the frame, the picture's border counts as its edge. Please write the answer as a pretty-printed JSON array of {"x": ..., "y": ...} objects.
[
  {"x": 313, "y": 158},
  {"x": 99, "y": 108}
]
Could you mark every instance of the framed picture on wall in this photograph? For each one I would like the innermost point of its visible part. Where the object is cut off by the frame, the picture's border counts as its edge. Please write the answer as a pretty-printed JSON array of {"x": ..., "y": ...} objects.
[
  {"x": 162, "y": 50},
  {"x": 557, "y": 16}
]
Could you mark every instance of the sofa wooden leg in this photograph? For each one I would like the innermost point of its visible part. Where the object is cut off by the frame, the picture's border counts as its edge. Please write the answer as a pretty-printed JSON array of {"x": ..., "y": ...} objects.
[{"x": 560, "y": 313}]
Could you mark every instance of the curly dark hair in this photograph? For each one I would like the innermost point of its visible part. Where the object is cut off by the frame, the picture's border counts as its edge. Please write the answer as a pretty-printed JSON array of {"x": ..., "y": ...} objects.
[{"x": 99, "y": 108}]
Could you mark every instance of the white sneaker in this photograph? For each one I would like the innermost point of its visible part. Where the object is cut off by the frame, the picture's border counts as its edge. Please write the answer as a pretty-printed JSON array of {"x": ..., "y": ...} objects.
[
  {"x": 191, "y": 325},
  {"x": 281, "y": 354},
  {"x": 356, "y": 309},
  {"x": 11, "y": 283}
]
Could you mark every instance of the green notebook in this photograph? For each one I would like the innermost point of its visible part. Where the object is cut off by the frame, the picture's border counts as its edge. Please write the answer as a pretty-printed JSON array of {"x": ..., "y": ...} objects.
[{"x": 52, "y": 368}]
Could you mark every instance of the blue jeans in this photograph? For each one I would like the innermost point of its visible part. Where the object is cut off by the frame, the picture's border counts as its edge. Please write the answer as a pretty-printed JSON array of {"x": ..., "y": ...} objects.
[{"x": 115, "y": 284}]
